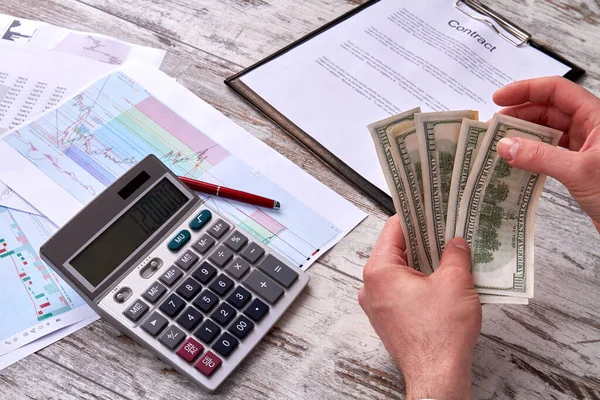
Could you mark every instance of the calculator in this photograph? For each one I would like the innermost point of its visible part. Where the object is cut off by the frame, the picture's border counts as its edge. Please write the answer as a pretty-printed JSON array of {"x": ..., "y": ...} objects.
[{"x": 181, "y": 279}]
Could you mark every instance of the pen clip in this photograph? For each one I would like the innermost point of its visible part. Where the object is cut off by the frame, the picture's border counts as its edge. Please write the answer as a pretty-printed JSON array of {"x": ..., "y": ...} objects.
[{"x": 504, "y": 23}]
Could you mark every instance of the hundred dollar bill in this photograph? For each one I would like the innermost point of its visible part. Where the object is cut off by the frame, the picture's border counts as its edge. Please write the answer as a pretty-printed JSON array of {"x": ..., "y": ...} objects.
[
  {"x": 497, "y": 212},
  {"x": 405, "y": 154},
  {"x": 469, "y": 141},
  {"x": 398, "y": 190},
  {"x": 494, "y": 299},
  {"x": 437, "y": 134}
]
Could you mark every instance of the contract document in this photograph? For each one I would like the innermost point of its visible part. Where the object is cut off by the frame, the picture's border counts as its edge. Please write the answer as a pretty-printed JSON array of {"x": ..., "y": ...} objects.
[{"x": 390, "y": 57}]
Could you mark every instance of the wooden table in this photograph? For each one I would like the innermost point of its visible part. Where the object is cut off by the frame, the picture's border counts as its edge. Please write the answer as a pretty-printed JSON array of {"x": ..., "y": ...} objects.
[{"x": 325, "y": 347}]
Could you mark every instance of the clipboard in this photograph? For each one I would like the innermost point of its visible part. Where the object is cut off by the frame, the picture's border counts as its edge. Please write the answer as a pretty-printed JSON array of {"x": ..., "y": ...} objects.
[{"x": 506, "y": 29}]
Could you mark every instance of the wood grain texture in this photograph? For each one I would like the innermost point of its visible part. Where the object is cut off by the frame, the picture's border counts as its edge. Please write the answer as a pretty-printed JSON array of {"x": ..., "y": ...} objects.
[{"x": 325, "y": 347}]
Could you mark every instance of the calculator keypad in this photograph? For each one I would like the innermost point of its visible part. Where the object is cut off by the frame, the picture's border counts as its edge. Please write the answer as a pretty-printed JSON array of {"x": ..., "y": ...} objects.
[
  {"x": 170, "y": 276},
  {"x": 188, "y": 259},
  {"x": 221, "y": 285},
  {"x": 237, "y": 268},
  {"x": 204, "y": 273},
  {"x": 155, "y": 324},
  {"x": 252, "y": 253},
  {"x": 154, "y": 292},
  {"x": 190, "y": 318},
  {"x": 223, "y": 314},
  {"x": 172, "y": 305},
  {"x": 189, "y": 288},
  {"x": 220, "y": 256},
  {"x": 171, "y": 337},
  {"x": 211, "y": 295},
  {"x": 208, "y": 331}
]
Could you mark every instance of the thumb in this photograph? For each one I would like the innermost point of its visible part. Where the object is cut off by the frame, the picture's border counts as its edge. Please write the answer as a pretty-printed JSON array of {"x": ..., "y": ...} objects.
[
  {"x": 456, "y": 261},
  {"x": 539, "y": 157}
]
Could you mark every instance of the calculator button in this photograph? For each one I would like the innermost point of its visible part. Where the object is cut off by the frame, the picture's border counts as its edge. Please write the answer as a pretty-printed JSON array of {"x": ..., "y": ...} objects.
[
  {"x": 221, "y": 256},
  {"x": 190, "y": 318},
  {"x": 236, "y": 241},
  {"x": 278, "y": 270},
  {"x": 200, "y": 220},
  {"x": 204, "y": 244},
  {"x": 224, "y": 314},
  {"x": 190, "y": 350},
  {"x": 221, "y": 285},
  {"x": 253, "y": 252},
  {"x": 208, "y": 331},
  {"x": 225, "y": 345},
  {"x": 171, "y": 337},
  {"x": 178, "y": 241},
  {"x": 204, "y": 273},
  {"x": 188, "y": 259},
  {"x": 172, "y": 305},
  {"x": 154, "y": 324},
  {"x": 241, "y": 327},
  {"x": 206, "y": 301},
  {"x": 219, "y": 229},
  {"x": 239, "y": 297},
  {"x": 154, "y": 292},
  {"x": 264, "y": 286},
  {"x": 171, "y": 276},
  {"x": 237, "y": 268},
  {"x": 256, "y": 310},
  {"x": 208, "y": 363},
  {"x": 189, "y": 288},
  {"x": 136, "y": 310}
]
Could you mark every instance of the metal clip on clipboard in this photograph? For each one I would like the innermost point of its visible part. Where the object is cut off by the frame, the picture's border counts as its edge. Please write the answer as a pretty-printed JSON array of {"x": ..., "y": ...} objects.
[{"x": 510, "y": 27}]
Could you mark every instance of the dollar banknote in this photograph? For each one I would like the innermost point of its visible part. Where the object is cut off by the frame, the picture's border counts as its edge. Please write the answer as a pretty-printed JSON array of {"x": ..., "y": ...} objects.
[
  {"x": 398, "y": 190},
  {"x": 497, "y": 211},
  {"x": 469, "y": 141},
  {"x": 496, "y": 299},
  {"x": 406, "y": 157},
  {"x": 438, "y": 134}
]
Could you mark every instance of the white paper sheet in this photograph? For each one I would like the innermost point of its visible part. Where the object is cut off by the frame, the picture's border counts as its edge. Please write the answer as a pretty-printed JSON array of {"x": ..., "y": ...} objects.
[
  {"x": 16, "y": 355},
  {"x": 22, "y": 33},
  {"x": 68, "y": 174},
  {"x": 10, "y": 199},
  {"x": 393, "y": 56}
]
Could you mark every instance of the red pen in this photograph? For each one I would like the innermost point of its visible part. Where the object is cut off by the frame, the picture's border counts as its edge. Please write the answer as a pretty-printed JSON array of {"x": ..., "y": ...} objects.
[{"x": 222, "y": 191}]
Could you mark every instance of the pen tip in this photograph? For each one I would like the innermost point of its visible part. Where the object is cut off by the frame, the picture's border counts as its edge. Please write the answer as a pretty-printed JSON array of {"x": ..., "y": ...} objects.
[{"x": 277, "y": 205}]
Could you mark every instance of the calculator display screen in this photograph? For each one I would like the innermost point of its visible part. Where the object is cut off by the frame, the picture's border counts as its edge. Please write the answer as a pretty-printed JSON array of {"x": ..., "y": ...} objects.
[{"x": 103, "y": 255}]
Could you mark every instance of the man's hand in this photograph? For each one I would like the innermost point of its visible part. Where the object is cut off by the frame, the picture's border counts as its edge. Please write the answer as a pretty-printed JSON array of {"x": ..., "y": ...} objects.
[
  {"x": 563, "y": 105},
  {"x": 429, "y": 325}
]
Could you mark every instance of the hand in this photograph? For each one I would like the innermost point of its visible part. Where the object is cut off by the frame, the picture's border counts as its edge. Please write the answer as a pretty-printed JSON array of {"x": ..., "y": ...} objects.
[
  {"x": 429, "y": 325},
  {"x": 566, "y": 106}
]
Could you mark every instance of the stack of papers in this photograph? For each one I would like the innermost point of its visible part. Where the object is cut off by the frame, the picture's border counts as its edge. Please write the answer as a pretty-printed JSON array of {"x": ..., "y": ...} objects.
[
  {"x": 42, "y": 65},
  {"x": 78, "y": 110}
]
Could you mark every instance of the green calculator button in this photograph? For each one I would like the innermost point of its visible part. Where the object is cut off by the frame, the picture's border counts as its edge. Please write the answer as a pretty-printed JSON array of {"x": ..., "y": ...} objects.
[
  {"x": 178, "y": 241},
  {"x": 200, "y": 220}
]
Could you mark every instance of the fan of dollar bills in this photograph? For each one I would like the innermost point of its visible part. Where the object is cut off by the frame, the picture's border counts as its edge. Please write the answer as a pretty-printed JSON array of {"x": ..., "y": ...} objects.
[{"x": 447, "y": 180}]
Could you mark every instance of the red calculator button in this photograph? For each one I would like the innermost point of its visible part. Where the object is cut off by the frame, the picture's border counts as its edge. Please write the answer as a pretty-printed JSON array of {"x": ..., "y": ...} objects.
[
  {"x": 208, "y": 363},
  {"x": 190, "y": 350}
]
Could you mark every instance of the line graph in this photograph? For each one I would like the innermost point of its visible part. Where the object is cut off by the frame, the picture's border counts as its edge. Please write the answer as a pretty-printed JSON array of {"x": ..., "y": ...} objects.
[
  {"x": 98, "y": 48},
  {"x": 99, "y": 134}
]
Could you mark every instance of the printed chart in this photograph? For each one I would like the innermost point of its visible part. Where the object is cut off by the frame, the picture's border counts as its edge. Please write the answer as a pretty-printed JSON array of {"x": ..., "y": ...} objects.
[
  {"x": 95, "y": 137},
  {"x": 97, "y": 48},
  {"x": 33, "y": 296}
]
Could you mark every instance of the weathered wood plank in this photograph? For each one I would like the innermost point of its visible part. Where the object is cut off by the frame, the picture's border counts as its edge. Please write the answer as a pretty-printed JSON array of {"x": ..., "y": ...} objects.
[{"x": 38, "y": 377}]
